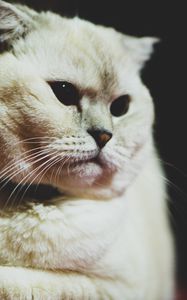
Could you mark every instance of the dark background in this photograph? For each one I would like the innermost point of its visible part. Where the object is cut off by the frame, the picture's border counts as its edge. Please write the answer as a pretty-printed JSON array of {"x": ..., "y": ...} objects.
[{"x": 165, "y": 75}]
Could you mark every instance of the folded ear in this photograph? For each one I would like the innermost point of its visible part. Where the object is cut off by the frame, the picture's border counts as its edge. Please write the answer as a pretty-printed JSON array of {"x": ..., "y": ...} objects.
[
  {"x": 14, "y": 23},
  {"x": 140, "y": 49}
]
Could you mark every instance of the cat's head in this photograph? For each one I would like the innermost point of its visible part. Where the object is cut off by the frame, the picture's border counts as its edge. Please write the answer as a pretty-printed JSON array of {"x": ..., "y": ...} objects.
[{"x": 73, "y": 110}]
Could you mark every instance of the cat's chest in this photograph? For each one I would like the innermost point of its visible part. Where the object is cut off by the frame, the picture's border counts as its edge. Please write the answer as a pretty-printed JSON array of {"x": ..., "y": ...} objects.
[{"x": 46, "y": 237}]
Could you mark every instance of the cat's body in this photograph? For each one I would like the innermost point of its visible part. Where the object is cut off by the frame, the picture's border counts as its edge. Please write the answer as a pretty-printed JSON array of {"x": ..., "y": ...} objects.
[
  {"x": 107, "y": 236},
  {"x": 106, "y": 265}
]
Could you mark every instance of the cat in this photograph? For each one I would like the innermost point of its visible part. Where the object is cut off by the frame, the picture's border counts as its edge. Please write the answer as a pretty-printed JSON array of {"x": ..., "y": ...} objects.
[{"x": 83, "y": 212}]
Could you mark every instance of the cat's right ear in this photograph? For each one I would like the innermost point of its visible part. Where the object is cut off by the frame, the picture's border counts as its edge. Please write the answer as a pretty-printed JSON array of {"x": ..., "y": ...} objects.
[
  {"x": 14, "y": 23},
  {"x": 139, "y": 49}
]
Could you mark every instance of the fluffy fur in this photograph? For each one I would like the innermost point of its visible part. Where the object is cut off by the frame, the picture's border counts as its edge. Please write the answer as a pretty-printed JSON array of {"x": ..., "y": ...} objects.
[{"x": 107, "y": 236}]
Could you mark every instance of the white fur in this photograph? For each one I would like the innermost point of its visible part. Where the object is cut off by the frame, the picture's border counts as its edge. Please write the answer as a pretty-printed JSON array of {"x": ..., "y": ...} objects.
[
  {"x": 108, "y": 237},
  {"x": 121, "y": 247}
]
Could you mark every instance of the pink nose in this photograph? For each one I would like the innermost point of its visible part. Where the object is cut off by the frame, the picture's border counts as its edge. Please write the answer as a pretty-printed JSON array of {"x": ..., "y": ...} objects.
[{"x": 100, "y": 136}]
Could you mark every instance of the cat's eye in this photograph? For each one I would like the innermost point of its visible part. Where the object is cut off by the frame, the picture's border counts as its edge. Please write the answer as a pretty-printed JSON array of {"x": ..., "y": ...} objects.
[
  {"x": 120, "y": 106},
  {"x": 65, "y": 92}
]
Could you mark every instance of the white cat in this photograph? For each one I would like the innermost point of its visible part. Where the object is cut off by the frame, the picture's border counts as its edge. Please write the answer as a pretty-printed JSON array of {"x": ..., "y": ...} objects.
[{"x": 75, "y": 115}]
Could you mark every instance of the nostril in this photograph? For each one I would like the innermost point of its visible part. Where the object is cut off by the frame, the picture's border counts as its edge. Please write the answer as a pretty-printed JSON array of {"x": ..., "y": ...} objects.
[{"x": 101, "y": 136}]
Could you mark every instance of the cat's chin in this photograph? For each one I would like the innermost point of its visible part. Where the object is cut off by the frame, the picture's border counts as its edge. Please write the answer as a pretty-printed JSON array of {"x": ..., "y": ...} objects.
[{"x": 81, "y": 175}]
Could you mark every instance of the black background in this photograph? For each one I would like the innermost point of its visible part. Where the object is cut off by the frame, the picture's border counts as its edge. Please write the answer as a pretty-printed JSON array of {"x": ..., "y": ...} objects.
[{"x": 165, "y": 75}]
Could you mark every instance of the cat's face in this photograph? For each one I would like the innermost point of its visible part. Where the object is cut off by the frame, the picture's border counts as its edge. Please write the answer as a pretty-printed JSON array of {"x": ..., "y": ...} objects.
[{"x": 73, "y": 110}]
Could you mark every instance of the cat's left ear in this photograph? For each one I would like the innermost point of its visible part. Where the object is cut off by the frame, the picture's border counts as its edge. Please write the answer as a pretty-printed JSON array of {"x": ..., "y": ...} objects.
[
  {"x": 15, "y": 22},
  {"x": 140, "y": 49}
]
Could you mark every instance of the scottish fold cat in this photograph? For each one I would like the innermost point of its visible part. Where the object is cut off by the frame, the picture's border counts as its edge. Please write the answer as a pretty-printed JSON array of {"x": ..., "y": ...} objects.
[{"x": 83, "y": 212}]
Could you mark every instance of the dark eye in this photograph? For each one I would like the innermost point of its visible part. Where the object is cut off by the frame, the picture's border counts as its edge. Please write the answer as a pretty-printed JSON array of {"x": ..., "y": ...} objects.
[
  {"x": 66, "y": 92},
  {"x": 120, "y": 106}
]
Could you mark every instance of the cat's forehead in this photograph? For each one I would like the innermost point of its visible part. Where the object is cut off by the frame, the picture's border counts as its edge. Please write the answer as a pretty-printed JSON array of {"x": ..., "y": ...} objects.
[{"x": 75, "y": 50}]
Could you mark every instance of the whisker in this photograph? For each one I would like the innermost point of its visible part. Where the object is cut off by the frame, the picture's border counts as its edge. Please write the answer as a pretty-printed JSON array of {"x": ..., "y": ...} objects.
[
  {"x": 33, "y": 138},
  {"x": 45, "y": 169},
  {"x": 5, "y": 170},
  {"x": 39, "y": 138},
  {"x": 31, "y": 157},
  {"x": 56, "y": 160},
  {"x": 51, "y": 176},
  {"x": 60, "y": 168},
  {"x": 57, "y": 175},
  {"x": 68, "y": 166},
  {"x": 28, "y": 176},
  {"x": 36, "y": 142},
  {"x": 55, "y": 179},
  {"x": 172, "y": 166},
  {"x": 176, "y": 188},
  {"x": 8, "y": 179}
]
